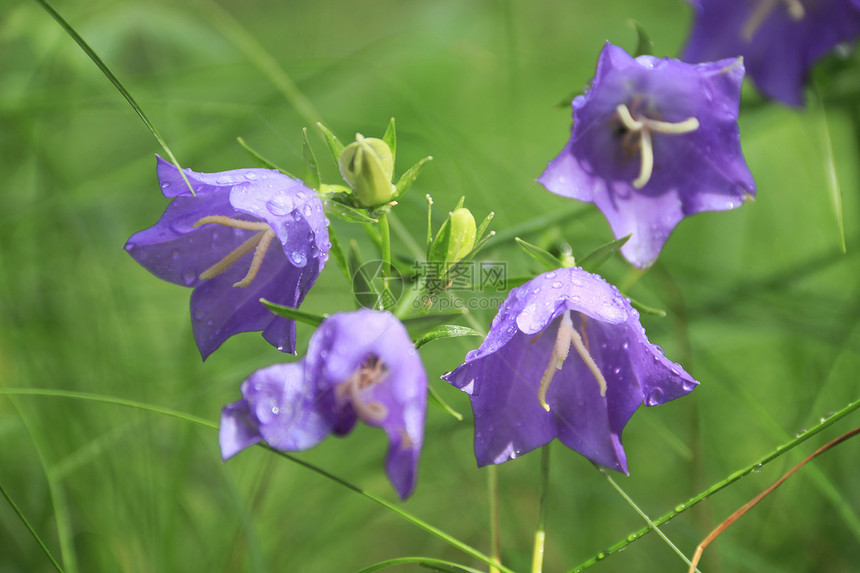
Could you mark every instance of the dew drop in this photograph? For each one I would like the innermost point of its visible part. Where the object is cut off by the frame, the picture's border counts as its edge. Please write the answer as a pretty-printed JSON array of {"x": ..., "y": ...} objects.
[
  {"x": 556, "y": 284},
  {"x": 174, "y": 254},
  {"x": 536, "y": 290},
  {"x": 129, "y": 246},
  {"x": 617, "y": 371},
  {"x": 680, "y": 508},
  {"x": 197, "y": 313},
  {"x": 800, "y": 432},
  {"x": 250, "y": 175},
  {"x": 299, "y": 258},
  {"x": 687, "y": 385},
  {"x": 625, "y": 346},
  {"x": 654, "y": 397},
  {"x": 757, "y": 468},
  {"x": 189, "y": 275},
  {"x": 550, "y": 275},
  {"x": 296, "y": 216},
  {"x": 275, "y": 409},
  {"x": 279, "y": 206}
]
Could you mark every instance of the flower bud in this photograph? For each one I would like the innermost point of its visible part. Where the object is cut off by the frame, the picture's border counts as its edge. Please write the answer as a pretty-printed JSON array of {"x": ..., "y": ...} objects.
[
  {"x": 462, "y": 235},
  {"x": 367, "y": 165}
]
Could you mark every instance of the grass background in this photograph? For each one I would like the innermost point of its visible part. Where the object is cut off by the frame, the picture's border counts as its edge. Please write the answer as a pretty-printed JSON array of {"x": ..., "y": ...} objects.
[{"x": 762, "y": 304}]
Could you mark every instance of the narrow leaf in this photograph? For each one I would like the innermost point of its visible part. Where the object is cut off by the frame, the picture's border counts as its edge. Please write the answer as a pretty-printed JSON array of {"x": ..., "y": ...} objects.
[
  {"x": 435, "y": 399},
  {"x": 312, "y": 170},
  {"x": 335, "y": 147},
  {"x": 294, "y": 313},
  {"x": 347, "y": 213},
  {"x": 484, "y": 224},
  {"x": 600, "y": 255},
  {"x": 336, "y": 252},
  {"x": 645, "y": 309},
  {"x": 262, "y": 161},
  {"x": 644, "y": 45},
  {"x": 545, "y": 258},
  {"x": 417, "y": 325},
  {"x": 117, "y": 84},
  {"x": 830, "y": 169},
  {"x": 390, "y": 139},
  {"x": 445, "y": 331},
  {"x": 407, "y": 179}
]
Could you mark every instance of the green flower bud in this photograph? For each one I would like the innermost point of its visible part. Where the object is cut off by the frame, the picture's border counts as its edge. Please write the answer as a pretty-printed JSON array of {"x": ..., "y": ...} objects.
[
  {"x": 368, "y": 166},
  {"x": 462, "y": 235}
]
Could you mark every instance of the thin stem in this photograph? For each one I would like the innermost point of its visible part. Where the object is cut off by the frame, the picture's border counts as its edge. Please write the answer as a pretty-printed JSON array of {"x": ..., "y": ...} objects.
[
  {"x": 32, "y": 531},
  {"x": 385, "y": 239},
  {"x": 780, "y": 450},
  {"x": 647, "y": 519},
  {"x": 540, "y": 530},
  {"x": 493, "y": 492}
]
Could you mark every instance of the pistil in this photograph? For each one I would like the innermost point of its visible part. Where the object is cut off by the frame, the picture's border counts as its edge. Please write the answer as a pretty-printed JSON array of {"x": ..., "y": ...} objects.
[
  {"x": 645, "y": 127},
  {"x": 371, "y": 372},
  {"x": 763, "y": 9},
  {"x": 567, "y": 335},
  {"x": 258, "y": 242}
]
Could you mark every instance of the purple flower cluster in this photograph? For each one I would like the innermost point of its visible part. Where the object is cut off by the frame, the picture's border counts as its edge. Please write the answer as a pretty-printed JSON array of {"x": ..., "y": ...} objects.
[
  {"x": 359, "y": 366},
  {"x": 243, "y": 235}
]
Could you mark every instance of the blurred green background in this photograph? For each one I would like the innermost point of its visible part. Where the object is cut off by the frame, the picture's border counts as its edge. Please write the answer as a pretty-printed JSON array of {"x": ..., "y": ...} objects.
[{"x": 762, "y": 304}]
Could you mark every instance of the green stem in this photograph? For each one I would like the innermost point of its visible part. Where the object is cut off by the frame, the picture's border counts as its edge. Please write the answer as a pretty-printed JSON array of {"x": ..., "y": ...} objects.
[
  {"x": 493, "y": 492},
  {"x": 540, "y": 530},
  {"x": 755, "y": 466},
  {"x": 385, "y": 239}
]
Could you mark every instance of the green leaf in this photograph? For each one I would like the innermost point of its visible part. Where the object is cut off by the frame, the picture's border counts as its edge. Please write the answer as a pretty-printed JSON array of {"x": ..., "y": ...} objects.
[
  {"x": 390, "y": 139},
  {"x": 644, "y": 45},
  {"x": 435, "y": 399},
  {"x": 364, "y": 290},
  {"x": 445, "y": 331},
  {"x": 545, "y": 258},
  {"x": 439, "y": 246},
  {"x": 484, "y": 224},
  {"x": 294, "y": 313},
  {"x": 337, "y": 253},
  {"x": 335, "y": 147},
  {"x": 260, "y": 160},
  {"x": 830, "y": 168},
  {"x": 601, "y": 254},
  {"x": 429, "y": 225},
  {"x": 407, "y": 179},
  {"x": 347, "y": 213},
  {"x": 645, "y": 309},
  {"x": 312, "y": 170},
  {"x": 422, "y": 323},
  {"x": 423, "y": 562}
]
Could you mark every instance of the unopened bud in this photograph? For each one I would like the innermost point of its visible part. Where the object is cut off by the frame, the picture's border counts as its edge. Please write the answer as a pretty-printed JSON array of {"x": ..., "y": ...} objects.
[
  {"x": 368, "y": 166},
  {"x": 462, "y": 235}
]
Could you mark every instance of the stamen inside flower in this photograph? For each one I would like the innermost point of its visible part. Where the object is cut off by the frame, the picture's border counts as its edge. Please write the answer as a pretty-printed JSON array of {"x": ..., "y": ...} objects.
[
  {"x": 567, "y": 335},
  {"x": 644, "y": 127},
  {"x": 371, "y": 372},
  {"x": 763, "y": 9},
  {"x": 258, "y": 242}
]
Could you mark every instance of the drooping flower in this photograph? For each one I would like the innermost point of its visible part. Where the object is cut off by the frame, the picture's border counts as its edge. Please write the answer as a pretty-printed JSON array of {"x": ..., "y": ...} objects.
[
  {"x": 565, "y": 357},
  {"x": 653, "y": 141},
  {"x": 246, "y": 234},
  {"x": 780, "y": 40},
  {"x": 360, "y": 366}
]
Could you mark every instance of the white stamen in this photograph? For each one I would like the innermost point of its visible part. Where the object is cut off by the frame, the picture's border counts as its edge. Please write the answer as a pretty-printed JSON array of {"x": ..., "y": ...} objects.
[
  {"x": 645, "y": 126},
  {"x": 260, "y": 241},
  {"x": 567, "y": 335}
]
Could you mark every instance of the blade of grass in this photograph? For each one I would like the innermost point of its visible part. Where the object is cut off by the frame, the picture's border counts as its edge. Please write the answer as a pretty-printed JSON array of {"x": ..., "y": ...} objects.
[
  {"x": 749, "y": 505},
  {"x": 117, "y": 84},
  {"x": 451, "y": 540},
  {"x": 26, "y": 523},
  {"x": 779, "y": 451},
  {"x": 425, "y": 562}
]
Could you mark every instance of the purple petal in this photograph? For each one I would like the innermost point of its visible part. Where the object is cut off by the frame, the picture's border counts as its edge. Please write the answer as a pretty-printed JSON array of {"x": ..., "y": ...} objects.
[{"x": 238, "y": 429}]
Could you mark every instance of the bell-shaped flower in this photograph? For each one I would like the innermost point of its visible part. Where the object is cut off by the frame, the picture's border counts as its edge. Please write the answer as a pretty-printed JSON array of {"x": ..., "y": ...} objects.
[
  {"x": 780, "y": 40},
  {"x": 244, "y": 235},
  {"x": 653, "y": 141},
  {"x": 565, "y": 357},
  {"x": 360, "y": 366}
]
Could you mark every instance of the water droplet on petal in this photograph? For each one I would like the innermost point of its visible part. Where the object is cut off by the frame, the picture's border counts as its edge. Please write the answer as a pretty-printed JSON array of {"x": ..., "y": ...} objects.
[
  {"x": 279, "y": 206},
  {"x": 275, "y": 409},
  {"x": 556, "y": 284},
  {"x": 189, "y": 275},
  {"x": 250, "y": 175},
  {"x": 299, "y": 258},
  {"x": 165, "y": 184},
  {"x": 687, "y": 385},
  {"x": 654, "y": 397},
  {"x": 625, "y": 346},
  {"x": 174, "y": 254},
  {"x": 550, "y": 275},
  {"x": 536, "y": 290},
  {"x": 197, "y": 313}
]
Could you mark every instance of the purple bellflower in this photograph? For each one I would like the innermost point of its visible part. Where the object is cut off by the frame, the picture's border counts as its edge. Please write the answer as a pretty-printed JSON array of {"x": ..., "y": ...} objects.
[
  {"x": 779, "y": 40},
  {"x": 653, "y": 141},
  {"x": 360, "y": 366},
  {"x": 566, "y": 357},
  {"x": 246, "y": 234}
]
